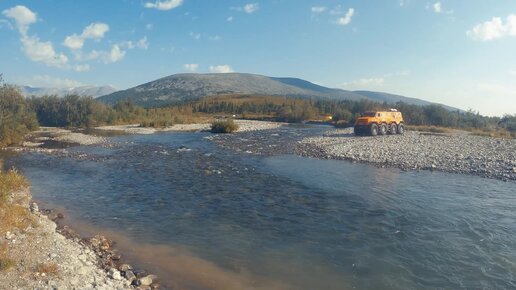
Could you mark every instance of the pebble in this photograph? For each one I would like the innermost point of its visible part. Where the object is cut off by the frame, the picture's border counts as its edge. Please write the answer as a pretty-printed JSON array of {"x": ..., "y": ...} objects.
[{"x": 455, "y": 153}]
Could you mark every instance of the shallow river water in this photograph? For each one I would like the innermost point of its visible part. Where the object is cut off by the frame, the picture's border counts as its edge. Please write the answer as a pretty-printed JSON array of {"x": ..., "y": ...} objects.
[{"x": 204, "y": 217}]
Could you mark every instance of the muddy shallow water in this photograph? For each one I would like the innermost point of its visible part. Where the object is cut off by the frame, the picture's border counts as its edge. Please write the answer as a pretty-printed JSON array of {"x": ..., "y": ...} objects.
[{"x": 207, "y": 217}]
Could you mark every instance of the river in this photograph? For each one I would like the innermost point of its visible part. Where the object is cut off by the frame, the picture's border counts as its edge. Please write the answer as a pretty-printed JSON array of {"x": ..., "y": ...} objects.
[{"x": 204, "y": 217}]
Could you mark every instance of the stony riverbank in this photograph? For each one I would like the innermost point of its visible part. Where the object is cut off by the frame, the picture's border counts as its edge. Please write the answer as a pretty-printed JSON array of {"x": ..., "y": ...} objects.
[
  {"x": 45, "y": 256},
  {"x": 456, "y": 153},
  {"x": 244, "y": 126}
]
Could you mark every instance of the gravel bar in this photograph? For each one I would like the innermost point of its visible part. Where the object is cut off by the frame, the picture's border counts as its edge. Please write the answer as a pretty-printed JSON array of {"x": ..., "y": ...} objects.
[{"x": 455, "y": 153}]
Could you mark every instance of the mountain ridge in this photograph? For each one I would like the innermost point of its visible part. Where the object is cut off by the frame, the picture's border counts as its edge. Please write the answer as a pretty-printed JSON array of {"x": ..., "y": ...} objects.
[
  {"x": 191, "y": 86},
  {"x": 83, "y": 91}
]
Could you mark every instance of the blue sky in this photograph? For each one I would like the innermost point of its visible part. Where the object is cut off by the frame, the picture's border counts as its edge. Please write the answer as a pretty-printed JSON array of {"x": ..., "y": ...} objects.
[{"x": 461, "y": 53}]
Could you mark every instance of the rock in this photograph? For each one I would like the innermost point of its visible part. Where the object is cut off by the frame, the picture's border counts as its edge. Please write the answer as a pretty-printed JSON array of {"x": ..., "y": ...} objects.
[
  {"x": 115, "y": 274},
  {"x": 129, "y": 275},
  {"x": 82, "y": 271},
  {"x": 125, "y": 267},
  {"x": 144, "y": 281},
  {"x": 34, "y": 207},
  {"x": 139, "y": 273}
]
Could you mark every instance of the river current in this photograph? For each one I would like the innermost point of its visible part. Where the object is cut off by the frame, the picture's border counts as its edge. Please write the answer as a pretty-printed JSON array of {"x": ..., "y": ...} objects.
[{"x": 204, "y": 217}]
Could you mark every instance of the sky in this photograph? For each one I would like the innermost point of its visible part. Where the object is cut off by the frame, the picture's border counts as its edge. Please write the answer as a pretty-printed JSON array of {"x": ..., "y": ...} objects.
[{"x": 456, "y": 52}]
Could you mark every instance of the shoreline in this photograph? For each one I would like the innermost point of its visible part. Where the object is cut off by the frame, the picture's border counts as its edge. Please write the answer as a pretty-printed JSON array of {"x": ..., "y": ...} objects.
[
  {"x": 244, "y": 126},
  {"x": 457, "y": 153},
  {"x": 50, "y": 255}
]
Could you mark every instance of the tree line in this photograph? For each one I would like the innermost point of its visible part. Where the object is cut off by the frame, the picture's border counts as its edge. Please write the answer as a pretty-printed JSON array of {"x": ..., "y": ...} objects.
[{"x": 19, "y": 115}]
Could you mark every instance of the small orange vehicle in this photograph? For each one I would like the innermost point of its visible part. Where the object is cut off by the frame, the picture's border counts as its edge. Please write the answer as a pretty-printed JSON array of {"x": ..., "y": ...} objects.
[{"x": 380, "y": 122}]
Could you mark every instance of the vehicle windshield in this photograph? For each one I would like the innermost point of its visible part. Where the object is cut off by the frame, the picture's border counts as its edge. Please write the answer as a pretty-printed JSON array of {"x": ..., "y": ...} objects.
[{"x": 368, "y": 114}]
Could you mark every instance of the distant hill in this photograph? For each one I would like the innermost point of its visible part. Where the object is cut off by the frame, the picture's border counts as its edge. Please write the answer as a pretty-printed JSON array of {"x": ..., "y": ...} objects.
[
  {"x": 83, "y": 91},
  {"x": 187, "y": 87}
]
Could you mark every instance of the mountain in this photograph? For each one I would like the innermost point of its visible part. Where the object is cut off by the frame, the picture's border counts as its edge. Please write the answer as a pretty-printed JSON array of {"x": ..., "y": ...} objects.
[
  {"x": 83, "y": 91},
  {"x": 391, "y": 98},
  {"x": 186, "y": 87}
]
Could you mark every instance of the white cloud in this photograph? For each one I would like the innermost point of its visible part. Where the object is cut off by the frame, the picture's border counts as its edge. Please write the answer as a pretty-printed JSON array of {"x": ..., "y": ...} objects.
[
  {"x": 23, "y": 17},
  {"x": 43, "y": 51},
  {"x": 221, "y": 69},
  {"x": 95, "y": 31},
  {"x": 47, "y": 81},
  {"x": 74, "y": 41},
  {"x": 164, "y": 4},
  {"x": 230, "y": 18},
  {"x": 195, "y": 36},
  {"x": 35, "y": 49},
  {"x": 437, "y": 7},
  {"x": 191, "y": 66},
  {"x": 319, "y": 9},
  {"x": 247, "y": 8},
  {"x": 6, "y": 23},
  {"x": 365, "y": 82},
  {"x": 337, "y": 10},
  {"x": 251, "y": 7},
  {"x": 116, "y": 54},
  {"x": 82, "y": 67},
  {"x": 346, "y": 19},
  {"x": 215, "y": 38},
  {"x": 494, "y": 29},
  {"x": 141, "y": 44},
  {"x": 149, "y": 26}
]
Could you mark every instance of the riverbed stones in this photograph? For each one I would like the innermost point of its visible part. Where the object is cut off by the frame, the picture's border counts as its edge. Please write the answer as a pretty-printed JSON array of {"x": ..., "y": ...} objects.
[
  {"x": 144, "y": 281},
  {"x": 125, "y": 267},
  {"x": 34, "y": 207},
  {"x": 72, "y": 264},
  {"x": 129, "y": 275},
  {"x": 456, "y": 153},
  {"x": 115, "y": 274}
]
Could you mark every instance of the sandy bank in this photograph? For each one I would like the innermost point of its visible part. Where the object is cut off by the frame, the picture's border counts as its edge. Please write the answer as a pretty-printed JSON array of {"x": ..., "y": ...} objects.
[
  {"x": 457, "y": 153},
  {"x": 244, "y": 126}
]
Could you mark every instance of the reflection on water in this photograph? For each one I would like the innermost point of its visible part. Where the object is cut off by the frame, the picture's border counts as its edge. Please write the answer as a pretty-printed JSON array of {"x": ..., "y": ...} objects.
[{"x": 211, "y": 219}]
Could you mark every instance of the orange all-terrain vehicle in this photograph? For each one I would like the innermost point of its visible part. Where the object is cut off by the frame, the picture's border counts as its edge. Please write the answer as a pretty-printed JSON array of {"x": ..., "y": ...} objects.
[{"x": 380, "y": 122}]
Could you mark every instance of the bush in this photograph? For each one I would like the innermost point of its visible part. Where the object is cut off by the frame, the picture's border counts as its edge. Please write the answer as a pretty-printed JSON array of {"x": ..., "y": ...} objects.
[
  {"x": 47, "y": 268},
  {"x": 341, "y": 124},
  {"x": 16, "y": 116},
  {"x": 10, "y": 181},
  {"x": 5, "y": 262},
  {"x": 226, "y": 126}
]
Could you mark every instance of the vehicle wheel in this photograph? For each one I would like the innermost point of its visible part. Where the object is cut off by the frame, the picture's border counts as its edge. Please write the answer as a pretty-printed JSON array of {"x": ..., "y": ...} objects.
[
  {"x": 393, "y": 130},
  {"x": 374, "y": 130},
  {"x": 356, "y": 131},
  {"x": 383, "y": 129},
  {"x": 401, "y": 129}
]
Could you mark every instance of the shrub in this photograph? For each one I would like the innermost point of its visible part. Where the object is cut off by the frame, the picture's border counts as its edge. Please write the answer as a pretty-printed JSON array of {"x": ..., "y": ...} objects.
[
  {"x": 226, "y": 126},
  {"x": 5, "y": 262},
  {"x": 341, "y": 124},
  {"x": 10, "y": 181},
  {"x": 47, "y": 268}
]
